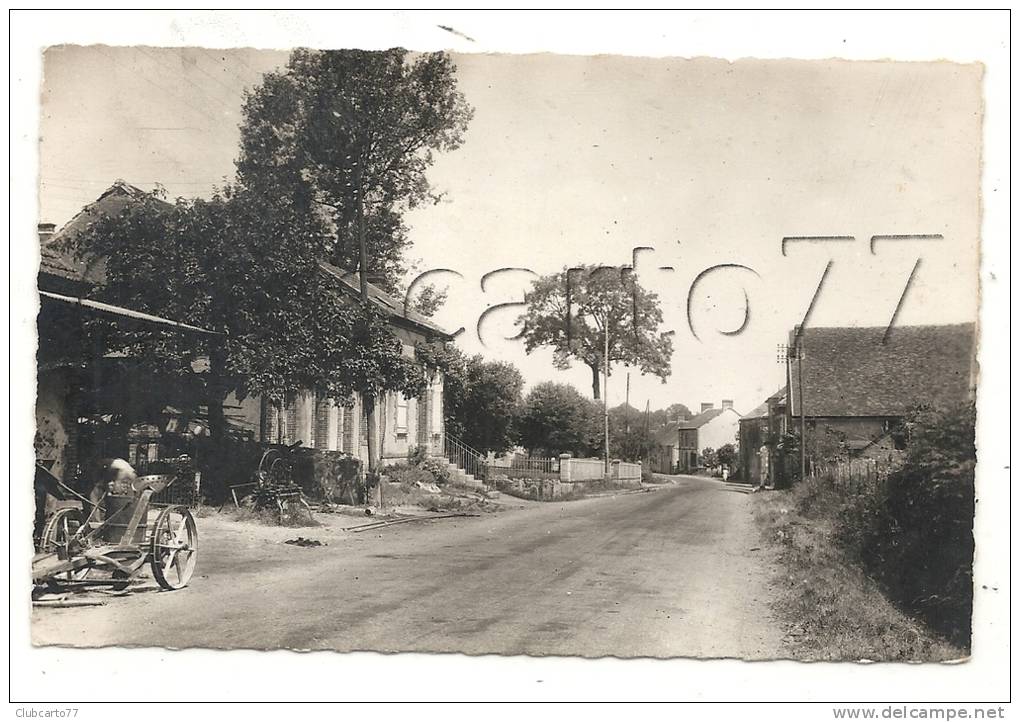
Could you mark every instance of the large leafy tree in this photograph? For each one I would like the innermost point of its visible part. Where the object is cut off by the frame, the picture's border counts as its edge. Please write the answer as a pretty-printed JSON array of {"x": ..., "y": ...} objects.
[
  {"x": 350, "y": 134},
  {"x": 634, "y": 433},
  {"x": 481, "y": 399},
  {"x": 245, "y": 266},
  {"x": 575, "y": 310},
  {"x": 557, "y": 419}
]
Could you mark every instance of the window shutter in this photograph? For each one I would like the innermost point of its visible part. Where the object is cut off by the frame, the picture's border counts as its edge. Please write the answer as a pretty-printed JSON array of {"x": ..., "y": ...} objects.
[
  {"x": 348, "y": 430},
  {"x": 423, "y": 419},
  {"x": 321, "y": 435}
]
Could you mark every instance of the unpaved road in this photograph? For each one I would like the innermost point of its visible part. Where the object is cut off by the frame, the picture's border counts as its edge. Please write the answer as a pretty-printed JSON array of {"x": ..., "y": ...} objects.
[{"x": 661, "y": 574}]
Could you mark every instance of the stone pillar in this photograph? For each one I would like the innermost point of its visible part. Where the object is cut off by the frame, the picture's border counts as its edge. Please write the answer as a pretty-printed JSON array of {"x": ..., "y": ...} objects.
[
  {"x": 564, "y": 467},
  {"x": 614, "y": 473}
]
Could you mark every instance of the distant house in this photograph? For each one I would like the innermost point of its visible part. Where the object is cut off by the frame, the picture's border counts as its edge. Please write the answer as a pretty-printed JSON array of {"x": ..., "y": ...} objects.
[
  {"x": 711, "y": 428},
  {"x": 664, "y": 457},
  {"x": 855, "y": 385},
  {"x": 317, "y": 422},
  {"x": 763, "y": 425}
]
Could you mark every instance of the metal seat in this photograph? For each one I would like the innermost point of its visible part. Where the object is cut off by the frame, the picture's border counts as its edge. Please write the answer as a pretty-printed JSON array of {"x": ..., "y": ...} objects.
[{"x": 156, "y": 482}]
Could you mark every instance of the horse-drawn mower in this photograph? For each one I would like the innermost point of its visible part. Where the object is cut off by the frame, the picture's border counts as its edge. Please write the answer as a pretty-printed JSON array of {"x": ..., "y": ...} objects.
[{"x": 110, "y": 545}]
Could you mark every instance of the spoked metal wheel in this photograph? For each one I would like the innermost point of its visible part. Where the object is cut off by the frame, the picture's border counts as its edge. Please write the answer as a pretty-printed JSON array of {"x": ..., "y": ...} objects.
[
  {"x": 64, "y": 535},
  {"x": 174, "y": 547}
]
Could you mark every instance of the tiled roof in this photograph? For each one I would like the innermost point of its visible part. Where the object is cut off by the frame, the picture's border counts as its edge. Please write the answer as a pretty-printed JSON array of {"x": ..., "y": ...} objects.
[
  {"x": 851, "y": 372},
  {"x": 59, "y": 261},
  {"x": 759, "y": 412},
  {"x": 762, "y": 410},
  {"x": 667, "y": 437},
  {"x": 391, "y": 306},
  {"x": 120, "y": 195},
  {"x": 701, "y": 419}
]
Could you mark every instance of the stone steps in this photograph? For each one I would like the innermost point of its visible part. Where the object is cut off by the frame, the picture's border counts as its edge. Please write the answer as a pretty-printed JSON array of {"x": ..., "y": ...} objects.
[{"x": 460, "y": 476}]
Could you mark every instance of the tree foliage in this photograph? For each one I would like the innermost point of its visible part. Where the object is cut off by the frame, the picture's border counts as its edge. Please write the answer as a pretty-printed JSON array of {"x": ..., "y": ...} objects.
[
  {"x": 429, "y": 300},
  {"x": 634, "y": 434},
  {"x": 482, "y": 400},
  {"x": 246, "y": 267},
  {"x": 709, "y": 458},
  {"x": 573, "y": 311},
  {"x": 557, "y": 419},
  {"x": 726, "y": 455},
  {"x": 915, "y": 533},
  {"x": 338, "y": 124}
]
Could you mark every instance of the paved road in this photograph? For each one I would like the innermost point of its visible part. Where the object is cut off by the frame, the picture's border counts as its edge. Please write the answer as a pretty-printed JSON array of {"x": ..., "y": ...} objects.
[{"x": 660, "y": 574}]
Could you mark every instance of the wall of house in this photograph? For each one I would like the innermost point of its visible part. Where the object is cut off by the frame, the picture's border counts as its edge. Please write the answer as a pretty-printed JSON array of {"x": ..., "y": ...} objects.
[
  {"x": 322, "y": 424},
  {"x": 56, "y": 436},
  {"x": 719, "y": 431},
  {"x": 244, "y": 416},
  {"x": 753, "y": 433},
  {"x": 411, "y": 423},
  {"x": 855, "y": 427}
]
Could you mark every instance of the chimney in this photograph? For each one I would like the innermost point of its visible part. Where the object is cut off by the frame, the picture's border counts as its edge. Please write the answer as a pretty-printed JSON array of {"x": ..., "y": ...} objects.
[
  {"x": 706, "y": 406},
  {"x": 46, "y": 231},
  {"x": 727, "y": 403}
]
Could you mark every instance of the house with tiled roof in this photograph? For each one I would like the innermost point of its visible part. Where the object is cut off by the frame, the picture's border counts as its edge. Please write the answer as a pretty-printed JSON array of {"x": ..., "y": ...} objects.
[
  {"x": 709, "y": 429},
  {"x": 757, "y": 427},
  {"x": 317, "y": 422},
  {"x": 854, "y": 385},
  {"x": 66, "y": 368}
]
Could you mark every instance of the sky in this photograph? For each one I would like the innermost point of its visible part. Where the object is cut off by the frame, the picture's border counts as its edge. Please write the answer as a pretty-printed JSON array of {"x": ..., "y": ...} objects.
[{"x": 574, "y": 159}]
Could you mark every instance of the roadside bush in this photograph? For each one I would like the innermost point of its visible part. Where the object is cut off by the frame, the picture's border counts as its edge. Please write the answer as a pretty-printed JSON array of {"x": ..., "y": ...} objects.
[
  {"x": 416, "y": 455},
  {"x": 408, "y": 475},
  {"x": 915, "y": 535},
  {"x": 438, "y": 468}
]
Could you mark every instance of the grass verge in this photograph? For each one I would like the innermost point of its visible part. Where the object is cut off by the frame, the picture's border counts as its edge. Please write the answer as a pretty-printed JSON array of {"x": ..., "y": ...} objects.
[{"x": 832, "y": 609}]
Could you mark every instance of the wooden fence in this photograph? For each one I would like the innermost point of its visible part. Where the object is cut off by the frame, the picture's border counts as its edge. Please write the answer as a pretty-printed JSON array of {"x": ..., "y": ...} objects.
[{"x": 855, "y": 476}]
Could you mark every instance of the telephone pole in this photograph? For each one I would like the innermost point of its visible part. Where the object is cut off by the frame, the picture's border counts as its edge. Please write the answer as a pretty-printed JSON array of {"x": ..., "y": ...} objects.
[
  {"x": 605, "y": 386},
  {"x": 367, "y": 398}
]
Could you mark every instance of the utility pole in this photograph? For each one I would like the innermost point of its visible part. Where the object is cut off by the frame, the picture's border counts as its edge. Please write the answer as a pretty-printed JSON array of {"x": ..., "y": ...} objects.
[
  {"x": 368, "y": 399},
  {"x": 605, "y": 385},
  {"x": 647, "y": 447},
  {"x": 800, "y": 396}
]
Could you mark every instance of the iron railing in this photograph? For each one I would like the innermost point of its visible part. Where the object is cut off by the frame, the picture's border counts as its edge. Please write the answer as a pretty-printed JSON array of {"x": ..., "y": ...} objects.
[
  {"x": 464, "y": 457},
  {"x": 527, "y": 467}
]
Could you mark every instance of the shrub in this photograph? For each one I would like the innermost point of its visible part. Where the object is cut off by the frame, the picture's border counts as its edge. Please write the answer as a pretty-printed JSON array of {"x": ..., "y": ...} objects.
[
  {"x": 915, "y": 535},
  {"x": 438, "y": 468},
  {"x": 416, "y": 455},
  {"x": 427, "y": 471}
]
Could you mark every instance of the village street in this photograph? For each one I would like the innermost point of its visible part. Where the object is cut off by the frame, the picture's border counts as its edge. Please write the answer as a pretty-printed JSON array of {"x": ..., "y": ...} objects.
[{"x": 672, "y": 572}]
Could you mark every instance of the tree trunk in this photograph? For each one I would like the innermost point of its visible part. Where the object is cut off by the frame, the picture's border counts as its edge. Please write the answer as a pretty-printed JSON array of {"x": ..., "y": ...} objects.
[
  {"x": 215, "y": 475},
  {"x": 596, "y": 382},
  {"x": 215, "y": 392}
]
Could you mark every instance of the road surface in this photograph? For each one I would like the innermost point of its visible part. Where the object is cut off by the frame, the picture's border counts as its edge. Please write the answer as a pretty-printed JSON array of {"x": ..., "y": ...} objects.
[{"x": 674, "y": 572}]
